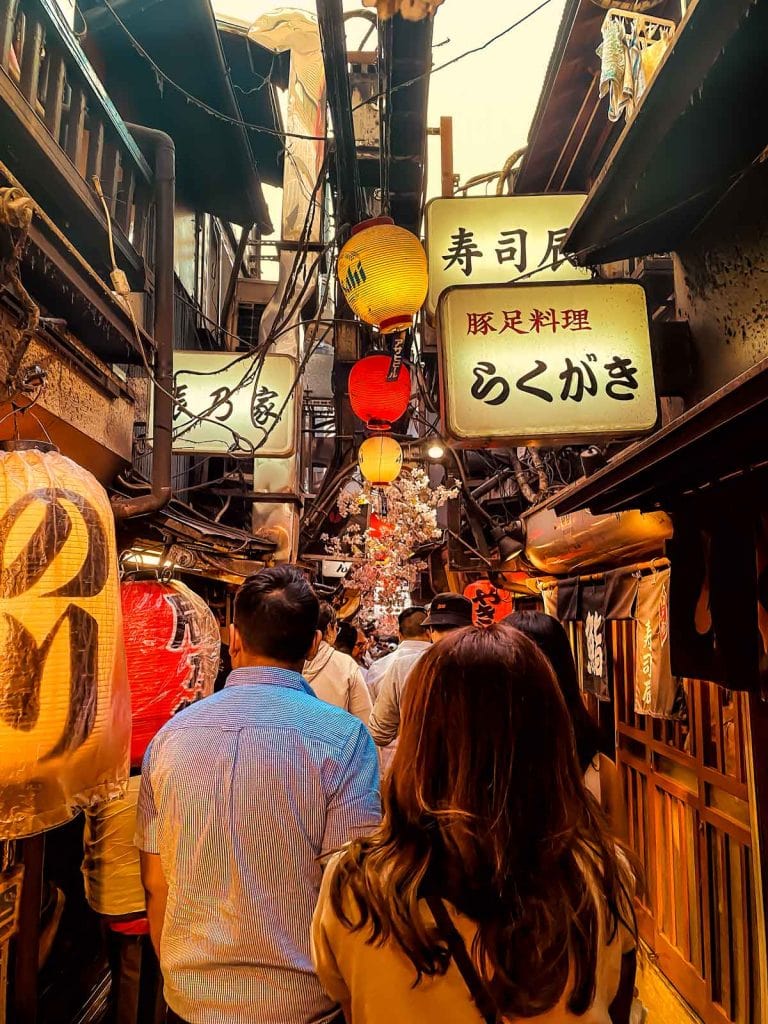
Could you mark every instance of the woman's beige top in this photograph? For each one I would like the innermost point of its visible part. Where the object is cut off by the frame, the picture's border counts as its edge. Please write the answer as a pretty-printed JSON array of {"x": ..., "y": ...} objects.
[{"x": 375, "y": 984}]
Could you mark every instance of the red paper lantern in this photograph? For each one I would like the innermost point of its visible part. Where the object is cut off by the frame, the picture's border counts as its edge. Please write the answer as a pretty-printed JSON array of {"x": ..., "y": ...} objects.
[
  {"x": 374, "y": 399},
  {"x": 489, "y": 604},
  {"x": 172, "y": 644}
]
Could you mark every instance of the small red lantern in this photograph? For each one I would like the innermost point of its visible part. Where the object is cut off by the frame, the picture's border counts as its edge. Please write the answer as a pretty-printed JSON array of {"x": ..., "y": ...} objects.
[
  {"x": 489, "y": 604},
  {"x": 374, "y": 399},
  {"x": 172, "y": 644}
]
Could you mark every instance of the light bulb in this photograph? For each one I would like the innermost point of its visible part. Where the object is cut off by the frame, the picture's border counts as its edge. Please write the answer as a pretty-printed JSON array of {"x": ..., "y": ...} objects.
[{"x": 435, "y": 452}]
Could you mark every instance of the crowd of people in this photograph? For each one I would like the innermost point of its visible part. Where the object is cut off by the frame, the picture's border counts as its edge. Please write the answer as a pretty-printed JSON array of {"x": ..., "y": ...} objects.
[{"x": 434, "y": 838}]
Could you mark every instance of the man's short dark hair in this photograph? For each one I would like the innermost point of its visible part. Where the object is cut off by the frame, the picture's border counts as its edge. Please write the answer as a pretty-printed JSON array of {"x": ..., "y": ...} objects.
[
  {"x": 276, "y": 612},
  {"x": 346, "y": 638},
  {"x": 410, "y": 622},
  {"x": 327, "y": 616}
]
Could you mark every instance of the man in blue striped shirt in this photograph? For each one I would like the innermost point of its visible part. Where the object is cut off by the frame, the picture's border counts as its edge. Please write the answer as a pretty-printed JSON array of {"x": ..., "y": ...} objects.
[{"x": 242, "y": 796}]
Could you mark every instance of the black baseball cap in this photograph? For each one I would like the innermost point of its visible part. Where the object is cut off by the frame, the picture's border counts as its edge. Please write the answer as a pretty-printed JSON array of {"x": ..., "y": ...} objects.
[{"x": 449, "y": 610}]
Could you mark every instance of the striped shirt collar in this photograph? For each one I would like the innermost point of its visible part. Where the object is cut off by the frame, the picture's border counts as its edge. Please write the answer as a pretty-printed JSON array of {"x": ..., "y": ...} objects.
[{"x": 268, "y": 676}]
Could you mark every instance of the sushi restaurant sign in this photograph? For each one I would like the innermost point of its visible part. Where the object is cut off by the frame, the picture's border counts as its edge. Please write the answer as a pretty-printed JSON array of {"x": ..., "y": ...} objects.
[
  {"x": 496, "y": 239},
  {"x": 548, "y": 364}
]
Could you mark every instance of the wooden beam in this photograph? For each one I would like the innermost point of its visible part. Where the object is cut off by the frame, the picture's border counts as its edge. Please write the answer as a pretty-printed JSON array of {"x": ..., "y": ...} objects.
[
  {"x": 54, "y": 95},
  {"x": 31, "y": 60}
]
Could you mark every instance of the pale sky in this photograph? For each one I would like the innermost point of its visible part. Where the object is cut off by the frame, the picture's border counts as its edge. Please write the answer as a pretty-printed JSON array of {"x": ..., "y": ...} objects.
[{"x": 491, "y": 95}]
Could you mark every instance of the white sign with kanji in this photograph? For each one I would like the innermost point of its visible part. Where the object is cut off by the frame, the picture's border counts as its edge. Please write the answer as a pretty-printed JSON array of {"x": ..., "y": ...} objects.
[
  {"x": 237, "y": 403},
  {"x": 498, "y": 239},
  {"x": 548, "y": 364}
]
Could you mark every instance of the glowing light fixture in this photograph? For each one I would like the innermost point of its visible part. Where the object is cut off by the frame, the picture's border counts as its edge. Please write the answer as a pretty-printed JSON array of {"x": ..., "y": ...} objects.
[
  {"x": 64, "y": 701},
  {"x": 383, "y": 273},
  {"x": 172, "y": 645},
  {"x": 378, "y": 402},
  {"x": 380, "y": 460},
  {"x": 435, "y": 452}
]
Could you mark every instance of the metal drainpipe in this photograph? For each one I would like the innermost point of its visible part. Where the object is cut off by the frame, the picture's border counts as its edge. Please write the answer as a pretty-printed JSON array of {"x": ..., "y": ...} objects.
[{"x": 162, "y": 425}]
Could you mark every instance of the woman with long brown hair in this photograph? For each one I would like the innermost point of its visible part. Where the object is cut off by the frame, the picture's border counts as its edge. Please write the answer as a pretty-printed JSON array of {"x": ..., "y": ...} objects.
[{"x": 491, "y": 890}]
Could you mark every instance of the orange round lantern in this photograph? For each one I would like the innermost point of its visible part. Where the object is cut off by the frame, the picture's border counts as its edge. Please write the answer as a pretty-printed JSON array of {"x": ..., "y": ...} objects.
[
  {"x": 64, "y": 701},
  {"x": 380, "y": 460},
  {"x": 378, "y": 402},
  {"x": 489, "y": 603},
  {"x": 172, "y": 645},
  {"x": 382, "y": 270}
]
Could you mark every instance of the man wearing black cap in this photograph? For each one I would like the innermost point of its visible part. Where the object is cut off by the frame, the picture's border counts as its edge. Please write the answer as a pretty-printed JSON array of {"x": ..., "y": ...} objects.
[{"x": 446, "y": 613}]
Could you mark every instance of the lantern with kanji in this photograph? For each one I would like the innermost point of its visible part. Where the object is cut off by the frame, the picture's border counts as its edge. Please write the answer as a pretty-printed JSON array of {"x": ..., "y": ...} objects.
[
  {"x": 380, "y": 460},
  {"x": 64, "y": 701},
  {"x": 489, "y": 603},
  {"x": 376, "y": 400},
  {"x": 383, "y": 273},
  {"x": 172, "y": 643}
]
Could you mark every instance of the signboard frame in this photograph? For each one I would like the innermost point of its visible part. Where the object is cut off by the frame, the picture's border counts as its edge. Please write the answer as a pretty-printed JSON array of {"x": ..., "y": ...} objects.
[
  {"x": 432, "y": 301},
  {"x": 461, "y": 441},
  {"x": 291, "y": 411}
]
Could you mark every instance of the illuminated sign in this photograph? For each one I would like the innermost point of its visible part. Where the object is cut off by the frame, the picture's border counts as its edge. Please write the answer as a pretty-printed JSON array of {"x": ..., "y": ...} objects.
[
  {"x": 241, "y": 404},
  {"x": 549, "y": 364},
  {"x": 495, "y": 239}
]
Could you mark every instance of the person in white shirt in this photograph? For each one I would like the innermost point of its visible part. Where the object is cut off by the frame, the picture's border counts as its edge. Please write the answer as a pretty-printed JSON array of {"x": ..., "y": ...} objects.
[
  {"x": 334, "y": 676},
  {"x": 411, "y": 637},
  {"x": 446, "y": 612}
]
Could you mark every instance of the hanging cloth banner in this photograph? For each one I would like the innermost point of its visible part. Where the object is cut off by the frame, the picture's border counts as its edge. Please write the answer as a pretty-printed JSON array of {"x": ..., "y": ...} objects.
[
  {"x": 594, "y": 654},
  {"x": 549, "y": 596},
  {"x": 568, "y": 601},
  {"x": 719, "y": 594},
  {"x": 657, "y": 691}
]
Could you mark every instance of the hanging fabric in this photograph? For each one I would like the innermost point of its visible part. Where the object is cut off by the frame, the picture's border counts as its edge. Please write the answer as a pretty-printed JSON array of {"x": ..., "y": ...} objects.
[
  {"x": 632, "y": 49},
  {"x": 549, "y": 597},
  {"x": 658, "y": 692},
  {"x": 719, "y": 595},
  {"x": 568, "y": 600},
  {"x": 595, "y": 677}
]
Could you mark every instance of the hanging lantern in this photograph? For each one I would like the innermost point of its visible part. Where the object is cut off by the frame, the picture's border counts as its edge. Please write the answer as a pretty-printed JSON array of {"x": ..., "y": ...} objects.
[
  {"x": 64, "y": 701},
  {"x": 380, "y": 460},
  {"x": 377, "y": 401},
  {"x": 383, "y": 273},
  {"x": 378, "y": 526},
  {"x": 489, "y": 603},
  {"x": 172, "y": 645},
  {"x": 411, "y": 10}
]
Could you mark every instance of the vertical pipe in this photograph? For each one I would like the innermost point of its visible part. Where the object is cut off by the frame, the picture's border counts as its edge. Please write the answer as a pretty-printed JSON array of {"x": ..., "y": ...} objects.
[
  {"x": 162, "y": 425},
  {"x": 446, "y": 156}
]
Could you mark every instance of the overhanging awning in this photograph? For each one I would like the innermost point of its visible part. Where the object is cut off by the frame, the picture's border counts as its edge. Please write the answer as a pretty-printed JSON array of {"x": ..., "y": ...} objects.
[
  {"x": 255, "y": 72},
  {"x": 716, "y": 441},
  {"x": 701, "y": 123},
  {"x": 216, "y": 167}
]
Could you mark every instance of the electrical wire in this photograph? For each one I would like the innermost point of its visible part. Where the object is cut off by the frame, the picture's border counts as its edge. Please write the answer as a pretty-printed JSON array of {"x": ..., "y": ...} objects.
[
  {"x": 455, "y": 60},
  {"x": 239, "y": 122}
]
